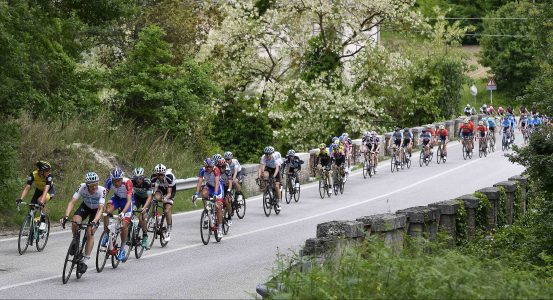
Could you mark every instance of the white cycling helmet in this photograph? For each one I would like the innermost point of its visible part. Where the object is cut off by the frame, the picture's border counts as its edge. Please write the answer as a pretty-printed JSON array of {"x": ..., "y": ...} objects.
[
  {"x": 160, "y": 169},
  {"x": 91, "y": 177},
  {"x": 138, "y": 172}
]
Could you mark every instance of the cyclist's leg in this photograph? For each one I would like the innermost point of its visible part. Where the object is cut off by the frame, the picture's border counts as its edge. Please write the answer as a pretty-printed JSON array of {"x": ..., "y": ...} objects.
[
  {"x": 109, "y": 209},
  {"x": 90, "y": 234},
  {"x": 228, "y": 202},
  {"x": 140, "y": 202},
  {"x": 168, "y": 208}
]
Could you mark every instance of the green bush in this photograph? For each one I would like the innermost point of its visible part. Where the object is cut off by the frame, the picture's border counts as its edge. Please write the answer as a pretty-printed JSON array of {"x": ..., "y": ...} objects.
[
  {"x": 9, "y": 171},
  {"x": 461, "y": 223},
  {"x": 482, "y": 212},
  {"x": 375, "y": 271},
  {"x": 502, "y": 210}
]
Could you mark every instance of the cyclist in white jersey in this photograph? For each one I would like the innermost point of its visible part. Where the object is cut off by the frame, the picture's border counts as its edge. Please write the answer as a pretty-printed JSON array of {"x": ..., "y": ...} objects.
[
  {"x": 92, "y": 206},
  {"x": 269, "y": 166}
]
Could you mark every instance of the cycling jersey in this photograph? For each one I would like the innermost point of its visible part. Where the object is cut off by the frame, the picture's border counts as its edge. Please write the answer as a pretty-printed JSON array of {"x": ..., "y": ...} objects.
[
  {"x": 506, "y": 123},
  {"x": 163, "y": 185},
  {"x": 337, "y": 151},
  {"x": 491, "y": 122},
  {"x": 482, "y": 130},
  {"x": 124, "y": 190},
  {"x": 324, "y": 158},
  {"x": 234, "y": 165},
  {"x": 397, "y": 135},
  {"x": 425, "y": 137},
  {"x": 273, "y": 162},
  {"x": 209, "y": 177},
  {"x": 466, "y": 128},
  {"x": 442, "y": 134},
  {"x": 293, "y": 163},
  {"x": 142, "y": 190},
  {"x": 39, "y": 182},
  {"x": 94, "y": 200}
]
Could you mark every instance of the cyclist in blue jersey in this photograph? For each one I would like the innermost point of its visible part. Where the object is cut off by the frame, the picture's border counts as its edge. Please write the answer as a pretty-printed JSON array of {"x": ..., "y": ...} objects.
[
  {"x": 213, "y": 187},
  {"x": 507, "y": 128}
]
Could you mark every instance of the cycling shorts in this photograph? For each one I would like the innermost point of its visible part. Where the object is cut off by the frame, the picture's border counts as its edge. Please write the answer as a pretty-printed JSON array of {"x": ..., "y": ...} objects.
[
  {"x": 219, "y": 194},
  {"x": 86, "y": 212},
  {"x": 397, "y": 142},
  {"x": 425, "y": 142},
  {"x": 467, "y": 134},
  {"x": 38, "y": 193},
  {"x": 492, "y": 128},
  {"x": 442, "y": 137},
  {"x": 406, "y": 142},
  {"x": 163, "y": 192},
  {"x": 482, "y": 134},
  {"x": 119, "y": 203},
  {"x": 139, "y": 201},
  {"x": 272, "y": 172},
  {"x": 340, "y": 160}
]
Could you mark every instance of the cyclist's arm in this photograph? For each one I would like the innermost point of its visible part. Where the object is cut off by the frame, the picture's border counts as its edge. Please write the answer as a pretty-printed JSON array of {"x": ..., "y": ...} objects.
[
  {"x": 42, "y": 198},
  {"x": 277, "y": 169},
  {"x": 70, "y": 206},
  {"x": 98, "y": 214},
  {"x": 25, "y": 191},
  {"x": 128, "y": 185},
  {"x": 260, "y": 170}
]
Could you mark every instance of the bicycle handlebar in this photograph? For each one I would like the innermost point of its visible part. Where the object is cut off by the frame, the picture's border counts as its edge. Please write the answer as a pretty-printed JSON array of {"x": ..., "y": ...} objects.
[{"x": 35, "y": 205}]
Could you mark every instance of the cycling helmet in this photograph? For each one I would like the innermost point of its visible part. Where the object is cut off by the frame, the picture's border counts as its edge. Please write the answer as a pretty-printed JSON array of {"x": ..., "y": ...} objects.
[
  {"x": 216, "y": 157},
  {"x": 208, "y": 162},
  {"x": 160, "y": 169},
  {"x": 373, "y": 133},
  {"x": 291, "y": 152},
  {"x": 344, "y": 134},
  {"x": 117, "y": 173},
  {"x": 334, "y": 139},
  {"x": 442, "y": 127},
  {"x": 468, "y": 105},
  {"x": 336, "y": 142},
  {"x": 423, "y": 130},
  {"x": 138, "y": 172},
  {"x": 481, "y": 123},
  {"x": 269, "y": 150},
  {"x": 397, "y": 128},
  {"x": 221, "y": 162},
  {"x": 406, "y": 129},
  {"x": 91, "y": 177},
  {"x": 322, "y": 146},
  {"x": 43, "y": 165},
  {"x": 500, "y": 109},
  {"x": 367, "y": 133},
  {"x": 228, "y": 155}
]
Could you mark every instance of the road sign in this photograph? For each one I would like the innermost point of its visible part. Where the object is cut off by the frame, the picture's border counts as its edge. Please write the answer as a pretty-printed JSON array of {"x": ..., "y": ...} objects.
[
  {"x": 491, "y": 86},
  {"x": 473, "y": 90}
]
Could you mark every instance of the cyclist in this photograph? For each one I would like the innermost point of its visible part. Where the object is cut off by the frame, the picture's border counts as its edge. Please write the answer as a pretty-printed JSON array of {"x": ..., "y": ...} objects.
[
  {"x": 323, "y": 159},
  {"x": 468, "y": 110},
  {"x": 44, "y": 188},
  {"x": 506, "y": 123},
  {"x": 522, "y": 110},
  {"x": 425, "y": 138},
  {"x": 511, "y": 118},
  {"x": 236, "y": 173},
  {"x": 466, "y": 131},
  {"x": 482, "y": 131},
  {"x": 537, "y": 120},
  {"x": 530, "y": 123},
  {"x": 346, "y": 142},
  {"x": 338, "y": 156},
  {"x": 443, "y": 136},
  {"x": 396, "y": 138},
  {"x": 163, "y": 181},
  {"x": 92, "y": 206},
  {"x": 269, "y": 166},
  {"x": 522, "y": 121},
  {"x": 407, "y": 137},
  {"x": 374, "y": 148},
  {"x": 293, "y": 163},
  {"x": 483, "y": 108},
  {"x": 122, "y": 200},
  {"x": 500, "y": 111},
  {"x": 142, "y": 189},
  {"x": 212, "y": 188},
  {"x": 491, "y": 110},
  {"x": 490, "y": 122},
  {"x": 432, "y": 131},
  {"x": 226, "y": 183}
]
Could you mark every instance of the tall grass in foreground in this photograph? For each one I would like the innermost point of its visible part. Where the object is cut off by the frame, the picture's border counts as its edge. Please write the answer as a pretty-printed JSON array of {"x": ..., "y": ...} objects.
[
  {"x": 375, "y": 271},
  {"x": 127, "y": 145}
]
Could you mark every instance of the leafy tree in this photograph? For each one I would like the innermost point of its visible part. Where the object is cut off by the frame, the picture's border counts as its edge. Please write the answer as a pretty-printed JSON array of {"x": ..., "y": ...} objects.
[
  {"x": 158, "y": 95},
  {"x": 511, "y": 55}
]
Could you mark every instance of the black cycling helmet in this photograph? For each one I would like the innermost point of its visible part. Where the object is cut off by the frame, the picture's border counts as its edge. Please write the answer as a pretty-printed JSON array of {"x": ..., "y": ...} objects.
[{"x": 43, "y": 165}]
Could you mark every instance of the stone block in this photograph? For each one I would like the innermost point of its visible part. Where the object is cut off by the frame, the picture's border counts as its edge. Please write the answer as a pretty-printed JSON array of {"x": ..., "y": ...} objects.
[
  {"x": 448, "y": 207},
  {"x": 471, "y": 201},
  {"x": 346, "y": 229},
  {"x": 509, "y": 186},
  {"x": 491, "y": 192},
  {"x": 383, "y": 222},
  {"x": 317, "y": 246},
  {"x": 419, "y": 214}
]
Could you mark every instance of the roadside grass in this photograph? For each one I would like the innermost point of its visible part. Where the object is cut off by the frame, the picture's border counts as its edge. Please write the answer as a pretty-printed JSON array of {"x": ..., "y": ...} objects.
[{"x": 122, "y": 146}]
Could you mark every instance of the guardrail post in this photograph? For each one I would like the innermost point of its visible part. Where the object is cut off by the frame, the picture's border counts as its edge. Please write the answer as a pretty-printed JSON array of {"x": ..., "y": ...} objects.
[
  {"x": 422, "y": 221},
  {"x": 331, "y": 234},
  {"x": 448, "y": 213},
  {"x": 416, "y": 131},
  {"x": 450, "y": 126},
  {"x": 387, "y": 137}
]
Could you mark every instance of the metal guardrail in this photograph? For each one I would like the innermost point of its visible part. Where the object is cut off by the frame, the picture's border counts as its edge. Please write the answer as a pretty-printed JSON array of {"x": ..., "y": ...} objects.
[{"x": 186, "y": 184}]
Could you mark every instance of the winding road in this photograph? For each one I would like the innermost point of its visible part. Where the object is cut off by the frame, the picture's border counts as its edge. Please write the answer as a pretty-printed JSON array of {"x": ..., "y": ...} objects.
[{"x": 232, "y": 268}]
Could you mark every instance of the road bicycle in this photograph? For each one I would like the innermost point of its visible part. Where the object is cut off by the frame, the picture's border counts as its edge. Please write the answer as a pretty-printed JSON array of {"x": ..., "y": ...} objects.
[
  {"x": 482, "y": 146},
  {"x": 269, "y": 199},
  {"x": 339, "y": 180},
  {"x": 425, "y": 157},
  {"x": 75, "y": 253},
  {"x": 506, "y": 140},
  {"x": 525, "y": 135},
  {"x": 440, "y": 155},
  {"x": 157, "y": 226},
  {"x": 134, "y": 239},
  {"x": 238, "y": 203},
  {"x": 467, "y": 151},
  {"x": 292, "y": 188},
  {"x": 405, "y": 158},
  {"x": 209, "y": 223},
  {"x": 395, "y": 161},
  {"x": 368, "y": 164},
  {"x": 32, "y": 230},
  {"x": 491, "y": 142},
  {"x": 324, "y": 183},
  {"x": 111, "y": 247}
]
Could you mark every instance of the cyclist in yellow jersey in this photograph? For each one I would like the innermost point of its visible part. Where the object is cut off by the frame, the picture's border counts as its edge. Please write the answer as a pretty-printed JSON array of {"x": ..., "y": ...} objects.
[{"x": 42, "y": 179}]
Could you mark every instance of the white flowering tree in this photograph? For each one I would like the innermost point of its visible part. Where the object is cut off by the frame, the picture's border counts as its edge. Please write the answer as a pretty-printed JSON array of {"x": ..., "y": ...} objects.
[{"x": 264, "y": 54}]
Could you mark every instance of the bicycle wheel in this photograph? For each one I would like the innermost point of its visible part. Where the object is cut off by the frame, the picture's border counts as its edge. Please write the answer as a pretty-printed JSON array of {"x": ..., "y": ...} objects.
[
  {"x": 342, "y": 184},
  {"x": 225, "y": 226},
  {"x": 42, "y": 237},
  {"x": 407, "y": 161},
  {"x": 152, "y": 230},
  {"x": 130, "y": 242},
  {"x": 421, "y": 158},
  {"x": 322, "y": 187},
  {"x": 267, "y": 202},
  {"x": 102, "y": 253},
  {"x": 288, "y": 190},
  {"x": 297, "y": 192},
  {"x": 439, "y": 155},
  {"x": 69, "y": 264},
  {"x": 240, "y": 206},
  {"x": 138, "y": 249},
  {"x": 336, "y": 186},
  {"x": 393, "y": 163},
  {"x": 115, "y": 248},
  {"x": 205, "y": 227},
  {"x": 162, "y": 231},
  {"x": 464, "y": 152},
  {"x": 24, "y": 234},
  {"x": 365, "y": 169}
]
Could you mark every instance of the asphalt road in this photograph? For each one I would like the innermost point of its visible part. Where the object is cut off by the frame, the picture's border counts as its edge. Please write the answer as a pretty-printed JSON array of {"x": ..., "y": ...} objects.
[{"x": 231, "y": 269}]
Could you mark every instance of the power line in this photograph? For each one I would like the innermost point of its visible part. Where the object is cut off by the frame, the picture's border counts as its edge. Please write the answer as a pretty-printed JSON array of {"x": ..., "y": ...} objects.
[{"x": 483, "y": 18}]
